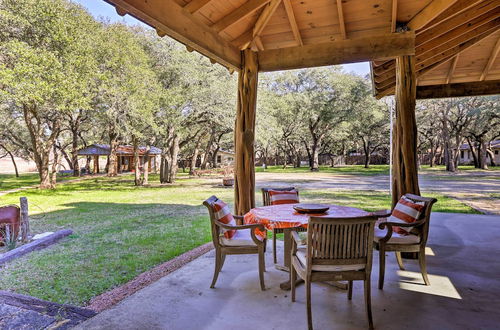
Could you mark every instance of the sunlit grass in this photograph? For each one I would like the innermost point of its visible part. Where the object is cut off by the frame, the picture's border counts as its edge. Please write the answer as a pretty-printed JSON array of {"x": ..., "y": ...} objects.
[{"x": 121, "y": 231}]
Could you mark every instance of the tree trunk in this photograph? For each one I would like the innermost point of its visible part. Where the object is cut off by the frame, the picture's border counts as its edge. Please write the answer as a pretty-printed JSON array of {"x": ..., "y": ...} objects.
[
  {"x": 405, "y": 177},
  {"x": 492, "y": 157},
  {"x": 483, "y": 155},
  {"x": 113, "y": 147},
  {"x": 366, "y": 149},
  {"x": 12, "y": 159},
  {"x": 472, "y": 149},
  {"x": 137, "y": 163},
  {"x": 74, "y": 152},
  {"x": 194, "y": 157},
  {"x": 244, "y": 134},
  {"x": 315, "y": 155},
  {"x": 55, "y": 167},
  {"x": 145, "y": 173}
]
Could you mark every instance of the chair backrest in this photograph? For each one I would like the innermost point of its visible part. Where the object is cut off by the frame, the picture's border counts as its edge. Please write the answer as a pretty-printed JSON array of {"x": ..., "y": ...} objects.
[
  {"x": 423, "y": 230},
  {"x": 216, "y": 231},
  {"x": 266, "y": 198},
  {"x": 340, "y": 241}
]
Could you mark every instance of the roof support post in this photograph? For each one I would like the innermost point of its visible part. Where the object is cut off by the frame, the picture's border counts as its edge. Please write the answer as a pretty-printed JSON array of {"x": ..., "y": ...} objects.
[
  {"x": 404, "y": 156},
  {"x": 244, "y": 134}
]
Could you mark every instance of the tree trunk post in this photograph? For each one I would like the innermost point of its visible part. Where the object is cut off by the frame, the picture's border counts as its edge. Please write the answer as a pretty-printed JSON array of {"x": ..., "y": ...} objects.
[
  {"x": 244, "y": 134},
  {"x": 96, "y": 164},
  {"x": 25, "y": 220},
  {"x": 405, "y": 177}
]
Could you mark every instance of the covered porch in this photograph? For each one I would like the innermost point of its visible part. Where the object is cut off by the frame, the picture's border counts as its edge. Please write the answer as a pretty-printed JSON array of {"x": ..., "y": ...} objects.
[{"x": 463, "y": 293}]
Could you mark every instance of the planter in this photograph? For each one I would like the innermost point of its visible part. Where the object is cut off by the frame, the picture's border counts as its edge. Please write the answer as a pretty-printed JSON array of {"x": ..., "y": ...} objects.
[{"x": 228, "y": 182}]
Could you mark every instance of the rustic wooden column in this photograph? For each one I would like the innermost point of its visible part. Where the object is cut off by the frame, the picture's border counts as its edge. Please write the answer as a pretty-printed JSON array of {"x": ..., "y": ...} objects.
[
  {"x": 404, "y": 154},
  {"x": 96, "y": 164},
  {"x": 244, "y": 134}
]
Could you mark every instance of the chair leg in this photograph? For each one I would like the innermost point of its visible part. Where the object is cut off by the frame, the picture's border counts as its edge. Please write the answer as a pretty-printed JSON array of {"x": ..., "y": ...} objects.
[
  {"x": 381, "y": 273},
  {"x": 349, "y": 291},
  {"x": 400, "y": 260},
  {"x": 275, "y": 258},
  {"x": 262, "y": 269},
  {"x": 218, "y": 265},
  {"x": 423, "y": 266},
  {"x": 293, "y": 280},
  {"x": 308, "y": 304},
  {"x": 368, "y": 302},
  {"x": 222, "y": 260}
]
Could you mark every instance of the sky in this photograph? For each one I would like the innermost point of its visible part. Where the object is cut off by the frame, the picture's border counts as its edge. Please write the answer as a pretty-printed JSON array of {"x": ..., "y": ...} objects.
[{"x": 99, "y": 8}]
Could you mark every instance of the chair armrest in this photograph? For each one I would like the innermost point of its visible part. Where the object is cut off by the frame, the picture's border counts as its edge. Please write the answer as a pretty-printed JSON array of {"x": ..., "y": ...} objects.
[
  {"x": 389, "y": 224},
  {"x": 295, "y": 237},
  {"x": 239, "y": 219},
  {"x": 382, "y": 213},
  {"x": 252, "y": 228}
]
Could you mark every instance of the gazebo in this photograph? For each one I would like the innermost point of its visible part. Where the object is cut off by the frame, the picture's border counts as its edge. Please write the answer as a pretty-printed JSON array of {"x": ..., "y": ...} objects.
[{"x": 417, "y": 49}]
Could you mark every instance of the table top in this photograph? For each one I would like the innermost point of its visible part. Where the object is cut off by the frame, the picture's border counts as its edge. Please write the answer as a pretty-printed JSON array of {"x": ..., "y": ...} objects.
[{"x": 284, "y": 216}]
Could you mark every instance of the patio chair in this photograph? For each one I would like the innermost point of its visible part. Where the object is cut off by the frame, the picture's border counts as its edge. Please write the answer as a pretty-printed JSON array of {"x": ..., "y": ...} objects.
[
  {"x": 266, "y": 199},
  {"x": 244, "y": 240},
  {"x": 388, "y": 240},
  {"x": 338, "y": 249}
]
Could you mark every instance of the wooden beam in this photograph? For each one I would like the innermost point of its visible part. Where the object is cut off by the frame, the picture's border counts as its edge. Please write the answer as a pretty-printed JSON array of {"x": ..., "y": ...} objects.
[
  {"x": 488, "y": 87},
  {"x": 293, "y": 21},
  {"x": 457, "y": 8},
  {"x": 404, "y": 146},
  {"x": 338, "y": 52},
  {"x": 264, "y": 17},
  {"x": 457, "y": 21},
  {"x": 341, "y": 19},
  {"x": 244, "y": 40},
  {"x": 258, "y": 43},
  {"x": 238, "y": 14},
  {"x": 430, "y": 12},
  {"x": 196, "y": 5},
  {"x": 169, "y": 17},
  {"x": 244, "y": 134},
  {"x": 491, "y": 60},
  {"x": 394, "y": 15},
  {"x": 461, "y": 33},
  {"x": 455, "y": 46},
  {"x": 453, "y": 65}
]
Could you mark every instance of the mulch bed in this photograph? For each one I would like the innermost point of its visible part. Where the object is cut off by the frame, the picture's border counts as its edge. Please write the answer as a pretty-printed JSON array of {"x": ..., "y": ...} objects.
[{"x": 111, "y": 298}]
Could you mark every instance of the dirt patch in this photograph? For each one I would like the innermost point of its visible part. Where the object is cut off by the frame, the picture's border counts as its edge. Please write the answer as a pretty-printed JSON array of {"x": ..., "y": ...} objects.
[{"x": 110, "y": 298}]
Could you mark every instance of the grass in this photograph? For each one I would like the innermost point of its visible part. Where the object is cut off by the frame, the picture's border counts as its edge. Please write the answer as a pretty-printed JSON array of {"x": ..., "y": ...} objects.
[
  {"x": 121, "y": 231},
  {"x": 9, "y": 181},
  {"x": 348, "y": 169}
]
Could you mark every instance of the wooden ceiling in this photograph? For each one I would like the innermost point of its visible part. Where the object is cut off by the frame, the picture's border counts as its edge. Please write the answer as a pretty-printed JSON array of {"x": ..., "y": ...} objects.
[{"x": 455, "y": 41}]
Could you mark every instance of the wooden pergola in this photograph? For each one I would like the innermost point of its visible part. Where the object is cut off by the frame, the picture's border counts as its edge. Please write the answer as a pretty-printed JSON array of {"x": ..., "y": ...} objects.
[{"x": 417, "y": 49}]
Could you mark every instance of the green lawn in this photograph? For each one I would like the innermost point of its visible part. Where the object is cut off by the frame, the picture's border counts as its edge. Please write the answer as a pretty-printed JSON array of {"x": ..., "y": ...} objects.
[
  {"x": 348, "y": 169},
  {"x": 121, "y": 231},
  {"x": 9, "y": 181}
]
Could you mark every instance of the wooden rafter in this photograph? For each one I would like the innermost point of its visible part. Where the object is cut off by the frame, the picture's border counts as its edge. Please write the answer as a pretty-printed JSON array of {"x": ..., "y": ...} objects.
[
  {"x": 457, "y": 8},
  {"x": 460, "y": 33},
  {"x": 238, "y": 14},
  {"x": 491, "y": 60},
  {"x": 451, "y": 71},
  {"x": 454, "y": 22},
  {"x": 258, "y": 43},
  {"x": 196, "y": 5},
  {"x": 341, "y": 19},
  {"x": 293, "y": 21},
  {"x": 341, "y": 51},
  {"x": 263, "y": 19},
  {"x": 431, "y": 11},
  {"x": 170, "y": 18},
  {"x": 394, "y": 15}
]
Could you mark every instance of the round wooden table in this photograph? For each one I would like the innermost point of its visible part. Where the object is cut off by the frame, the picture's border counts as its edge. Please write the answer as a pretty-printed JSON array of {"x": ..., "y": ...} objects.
[{"x": 286, "y": 218}]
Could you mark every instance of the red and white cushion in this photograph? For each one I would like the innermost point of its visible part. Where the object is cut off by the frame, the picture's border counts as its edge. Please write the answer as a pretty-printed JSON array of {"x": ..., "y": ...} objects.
[
  {"x": 406, "y": 211},
  {"x": 277, "y": 197},
  {"x": 224, "y": 215}
]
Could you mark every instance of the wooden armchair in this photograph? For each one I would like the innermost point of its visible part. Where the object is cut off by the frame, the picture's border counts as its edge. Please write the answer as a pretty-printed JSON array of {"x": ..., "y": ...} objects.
[
  {"x": 337, "y": 249},
  {"x": 388, "y": 240},
  {"x": 266, "y": 199},
  {"x": 243, "y": 242}
]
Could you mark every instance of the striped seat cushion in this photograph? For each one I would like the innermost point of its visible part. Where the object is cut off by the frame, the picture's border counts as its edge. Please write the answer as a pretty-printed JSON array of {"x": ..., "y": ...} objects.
[
  {"x": 277, "y": 197},
  {"x": 406, "y": 211},
  {"x": 224, "y": 215}
]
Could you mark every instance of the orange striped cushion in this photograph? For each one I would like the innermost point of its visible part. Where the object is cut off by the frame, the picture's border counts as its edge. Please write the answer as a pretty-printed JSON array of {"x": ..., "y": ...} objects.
[
  {"x": 224, "y": 215},
  {"x": 277, "y": 197},
  {"x": 406, "y": 211}
]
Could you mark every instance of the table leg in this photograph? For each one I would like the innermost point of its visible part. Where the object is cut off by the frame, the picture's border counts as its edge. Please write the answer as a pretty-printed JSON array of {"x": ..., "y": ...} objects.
[{"x": 286, "y": 250}]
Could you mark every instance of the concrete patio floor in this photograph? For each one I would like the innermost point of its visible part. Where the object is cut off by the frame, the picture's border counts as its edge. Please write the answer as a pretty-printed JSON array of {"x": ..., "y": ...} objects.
[{"x": 463, "y": 263}]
